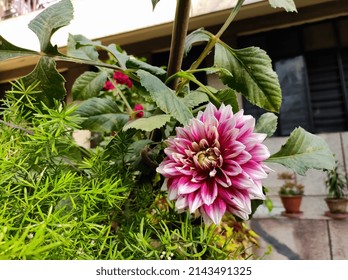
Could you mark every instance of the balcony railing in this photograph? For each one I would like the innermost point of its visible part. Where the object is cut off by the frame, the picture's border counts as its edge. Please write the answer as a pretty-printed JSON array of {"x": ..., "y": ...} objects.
[{"x": 14, "y": 8}]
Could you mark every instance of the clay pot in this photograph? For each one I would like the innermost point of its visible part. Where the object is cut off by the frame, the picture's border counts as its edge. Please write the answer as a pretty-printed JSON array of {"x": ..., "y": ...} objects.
[
  {"x": 291, "y": 203},
  {"x": 337, "y": 205}
]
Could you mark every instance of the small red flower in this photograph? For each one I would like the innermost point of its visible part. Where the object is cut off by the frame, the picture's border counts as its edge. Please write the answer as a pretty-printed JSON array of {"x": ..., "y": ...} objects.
[
  {"x": 123, "y": 79},
  {"x": 108, "y": 85},
  {"x": 139, "y": 110}
]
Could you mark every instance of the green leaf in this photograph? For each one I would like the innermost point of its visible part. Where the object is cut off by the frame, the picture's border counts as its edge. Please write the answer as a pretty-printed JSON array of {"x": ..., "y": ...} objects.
[
  {"x": 49, "y": 21},
  {"x": 198, "y": 35},
  {"x": 267, "y": 123},
  {"x": 303, "y": 151},
  {"x": 252, "y": 73},
  {"x": 7, "y": 50},
  {"x": 51, "y": 83},
  {"x": 102, "y": 115},
  {"x": 148, "y": 124},
  {"x": 195, "y": 98},
  {"x": 288, "y": 5},
  {"x": 88, "y": 85},
  {"x": 228, "y": 96},
  {"x": 154, "y": 3},
  {"x": 136, "y": 63},
  {"x": 164, "y": 97},
  {"x": 120, "y": 56},
  {"x": 83, "y": 52}
]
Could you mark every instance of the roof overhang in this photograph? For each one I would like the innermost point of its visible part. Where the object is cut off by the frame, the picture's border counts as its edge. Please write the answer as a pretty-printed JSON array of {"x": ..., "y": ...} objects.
[{"x": 125, "y": 26}]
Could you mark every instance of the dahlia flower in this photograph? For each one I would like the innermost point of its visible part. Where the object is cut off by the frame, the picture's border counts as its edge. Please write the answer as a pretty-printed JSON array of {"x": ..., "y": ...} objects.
[{"x": 215, "y": 164}]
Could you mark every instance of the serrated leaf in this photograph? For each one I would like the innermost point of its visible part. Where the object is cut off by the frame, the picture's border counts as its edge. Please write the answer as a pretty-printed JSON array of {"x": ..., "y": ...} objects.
[
  {"x": 121, "y": 57},
  {"x": 8, "y": 50},
  {"x": 148, "y": 124},
  {"x": 267, "y": 123},
  {"x": 154, "y": 3},
  {"x": 304, "y": 151},
  {"x": 288, "y": 5},
  {"x": 195, "y": 98},
  {"x": 198, "y": 35},
  {"x": 253, "y": 75},
  {"x": 102, "y": 115},
  {"x": 135, "y": 63},
  {"x": 51, "y": 83},
  {"x": 164, "y": 97},
  {"x": 83, "y": 52},
  {"x": 228, "y": 96},
  {"x": 45, "y": 24},
  {"x": 88, "y": 85}
]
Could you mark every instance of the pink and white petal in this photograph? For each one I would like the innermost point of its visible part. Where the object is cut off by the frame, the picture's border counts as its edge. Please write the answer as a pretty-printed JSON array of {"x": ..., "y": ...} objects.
[
  {"x": 255, "y": 193},
  {"x": 195, "y": 201},
  {"x": 212, "y": 134},
  {"x": 223, "y": 180},
  {"x": 226, "y": 113},
  {"x": 238, "y": 212},
  {"x": 215, "y": 211},
  {"x": 197, "y": 130},
  {"x": 209, "y": 112},
  {"x": 198, "y": 176},
  {"x": 241, "y": 200},
  {"x": 183, "y": 132},
  {"x": 233, "y": 150},
  {"x": 241, "y": 181},
  {"x": 186, "y": 186},
  {"x": 225, "y": 194},
  {"x": 209, "y": 191},
  {"x": 168, "y": 169},
  {"x": 243, "y": 157},
  {"x": 181, "y": 203},
  {"x": 254, "y": 170},
  {"x": 260, "y": 152},
  {"x": 206, "y": 218},
  {"x": 172, "y": 192},
  {"x": 229, "y": 137},
  {"x": 231, "y": 168},
  {"x": 165, "y": 184},
  {"x": 246, "y": 129},
  {"x": 267, "y": 168},
  {"x": 253, "y": 139}
]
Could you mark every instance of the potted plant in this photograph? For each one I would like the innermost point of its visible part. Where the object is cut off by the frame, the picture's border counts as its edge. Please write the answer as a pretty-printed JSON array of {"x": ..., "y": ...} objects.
[
  {"x": 337, "y": 186},
  {"x": 290, "y": 193}
]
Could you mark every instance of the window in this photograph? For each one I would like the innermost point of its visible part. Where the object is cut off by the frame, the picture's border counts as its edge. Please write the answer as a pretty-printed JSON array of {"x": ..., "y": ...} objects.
[{"x": 312, "y": 65}]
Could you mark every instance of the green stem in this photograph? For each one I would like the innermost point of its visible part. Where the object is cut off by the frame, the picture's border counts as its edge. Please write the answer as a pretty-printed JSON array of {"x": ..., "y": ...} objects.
[
  {"x": 176, "y": 53},
  {"x": 30, "y": 132},
  {"x": 230, "y": 18},
  {"x": 215, "y": 38},
  {"x": 117, "y": 90}
]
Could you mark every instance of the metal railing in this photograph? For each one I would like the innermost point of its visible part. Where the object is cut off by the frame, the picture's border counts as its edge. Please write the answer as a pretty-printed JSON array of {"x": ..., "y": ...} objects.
[{"x": 14, "y": 8}]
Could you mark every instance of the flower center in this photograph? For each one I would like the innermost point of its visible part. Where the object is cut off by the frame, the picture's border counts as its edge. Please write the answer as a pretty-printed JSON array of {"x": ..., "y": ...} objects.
[{"x": 208, "y": 159}]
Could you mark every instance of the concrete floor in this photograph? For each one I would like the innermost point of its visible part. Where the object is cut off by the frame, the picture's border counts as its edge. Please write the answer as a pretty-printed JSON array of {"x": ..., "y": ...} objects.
[{"x": 308, "y": 237}]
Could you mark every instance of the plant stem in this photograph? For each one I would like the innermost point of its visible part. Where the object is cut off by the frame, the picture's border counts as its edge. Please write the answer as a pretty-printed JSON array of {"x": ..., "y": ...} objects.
[
  {"x": 215, "y": 38},
  {"x": 119, "y": 93},
  {"x": 176, "y": 53},
  {"x": 180, "y": 27},
  {"x": 230, "y": 18},
  {"x": 30, "y": 132}
]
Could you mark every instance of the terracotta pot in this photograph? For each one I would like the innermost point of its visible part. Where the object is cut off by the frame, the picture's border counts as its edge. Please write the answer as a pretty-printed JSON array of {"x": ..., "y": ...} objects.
[
  {"x": 337, "y": 205},
  {"x": 291, "y": 203}
]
